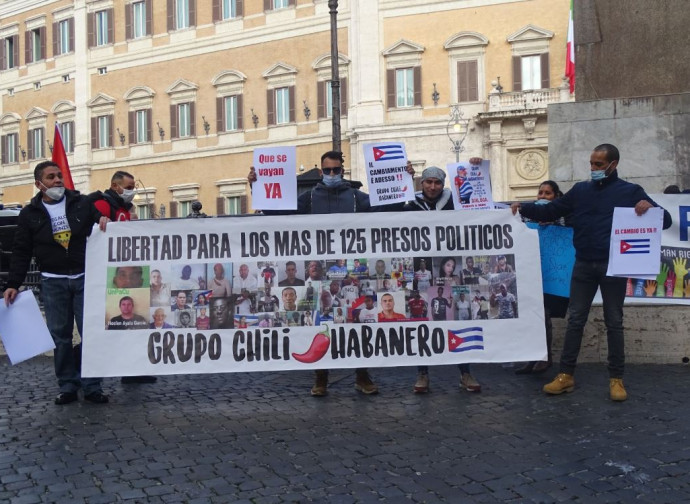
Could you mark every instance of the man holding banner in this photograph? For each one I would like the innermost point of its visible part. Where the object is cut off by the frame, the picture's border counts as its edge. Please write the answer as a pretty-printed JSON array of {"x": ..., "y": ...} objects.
[
  {"x": 591, "y": 205},
  {"x": 53, "y": 228},
  {"x": 435, "y": 197}
]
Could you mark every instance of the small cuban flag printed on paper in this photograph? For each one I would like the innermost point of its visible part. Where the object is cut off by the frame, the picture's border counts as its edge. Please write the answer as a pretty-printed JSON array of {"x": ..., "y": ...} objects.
[
  {"x": 463, "y": 340},
  {"x": 636, "y": 246}
]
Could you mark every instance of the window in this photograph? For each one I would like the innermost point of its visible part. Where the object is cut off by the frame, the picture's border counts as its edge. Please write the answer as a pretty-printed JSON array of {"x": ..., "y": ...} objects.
[
  {"x": 9, "y": 53},
  {"x": 102, "y": 132},
  {"x": 138, "y": 18},
  {"x": 282, "y": 106},
  {"x": 144, "y": 211},
  {"x": 140, "y": 126},
  {"x": 63, "y": 37},
  {"x": 35, "y": 143},
  {"x": 530, "y": 48},
  {"x": 182, "y": 120},
  {"x": 35, "y": 44},
  {"x": 229, "y": 9},
  {"x": 468, "y": 86},
  {"x": 233, "y": 205},
  {"x": 230, "y": 113},
  {"x": 67, "y": 134},
  {"x": 404, "y": 87},
  {"x": 102, "y": 28},
  {"x": 184, "y": 208},
  {"x": 277, "y": 4},
  {"x": 325, "y": 99},
  {"x": 10, "y": 149},
  {"x": 181, "y": 14}
]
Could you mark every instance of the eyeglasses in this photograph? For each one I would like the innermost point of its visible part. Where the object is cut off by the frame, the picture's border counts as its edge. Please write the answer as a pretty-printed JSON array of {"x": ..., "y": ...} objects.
[{"x": 335, "y": 171}]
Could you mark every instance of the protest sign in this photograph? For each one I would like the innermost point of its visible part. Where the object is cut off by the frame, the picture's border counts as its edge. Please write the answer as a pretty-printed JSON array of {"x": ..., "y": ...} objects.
[
  {"x": 387, "y": 177},
  {"x": 276, "y": 179},
  {"x": 471, "y": 185},
  {"x": 317, "y": 292},
  {"x": 22, "y": 329},
  {"x": 635, "y": 243},
  {"x": 557, "y": 257}
]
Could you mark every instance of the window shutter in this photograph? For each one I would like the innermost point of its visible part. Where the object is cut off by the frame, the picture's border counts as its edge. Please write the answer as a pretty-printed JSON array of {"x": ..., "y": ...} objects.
[
  {"x": 71, "y": 35},
  {"x": 16, "y": 50},
  {"x": 171, "y": 15},
  {"x": 545, "y": 81},
  {"x": 468, "y": 89},
  {"x": 240, "y": 112},
  {"x": 321, "y": 99},
  {"x": 239, "y": 8},
  {"x": 192, "y": 118},
  {"x": 217, "y": 14},
  {"x": 152, "y": 210},
  {"x": 149, "y": 18},
  {"x": 417, "y": 83},
  {"x": 270, "y": 107},
  {"x": 3, "y": 58},
  {"x": 90, "y": 23},
  {"x": 94, "y": 132},
  {"x": 128, "y": 21},
  {"x": 55, "y": 39},
  {"x": 220, "y": 205},
  {"x": 390, "y": 88},
  {"x": 291, "y": 3},
  {"x": 343, "y": 97},
  {"x": 192, "y": 12},
  {"x": 291, "y": 97},
  {"x": 173, "y": 209},
  {"x": 243, "y": 204},
  {"x": 173, "y": 121},
  {"x": 111, "y": 36},
  {"x": 517, "y": 73},
  {"x": 149, "y": 125},
  {"x": 132, "y": 126},
  {"x": 27, "y": 48},
  {"x": 220, "y": 114},
  {"x": 111, "y": 120},
  {"x": 268, "y": 5},
  {"x": 30, "y": 144},
  {"x": 42, "y": 36},
  {"x": 3, "y": 146}
]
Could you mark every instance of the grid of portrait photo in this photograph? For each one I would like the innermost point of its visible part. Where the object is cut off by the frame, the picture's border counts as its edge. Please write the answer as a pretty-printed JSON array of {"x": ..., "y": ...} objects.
[{"x": 305, "y": 293}]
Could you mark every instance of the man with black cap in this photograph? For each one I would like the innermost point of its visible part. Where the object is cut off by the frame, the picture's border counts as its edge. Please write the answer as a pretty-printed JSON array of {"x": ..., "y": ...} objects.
[{"x": 434, "y": 196}]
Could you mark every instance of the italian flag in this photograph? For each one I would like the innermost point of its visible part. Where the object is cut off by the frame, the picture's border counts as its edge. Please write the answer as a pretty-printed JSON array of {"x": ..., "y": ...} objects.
[{"x": 570, "y": 52}]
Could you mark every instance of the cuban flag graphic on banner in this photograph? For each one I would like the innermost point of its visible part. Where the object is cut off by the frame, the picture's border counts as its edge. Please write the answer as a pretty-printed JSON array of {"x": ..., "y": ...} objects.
[
  {"x": 463, "y": 340},
  {"x": 636, "y": 246},
  {"x": 388, "y": 152}
]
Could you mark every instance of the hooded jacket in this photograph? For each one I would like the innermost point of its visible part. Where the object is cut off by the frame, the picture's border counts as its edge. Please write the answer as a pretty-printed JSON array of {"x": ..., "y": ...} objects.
[{"x": 34, "y": 237}]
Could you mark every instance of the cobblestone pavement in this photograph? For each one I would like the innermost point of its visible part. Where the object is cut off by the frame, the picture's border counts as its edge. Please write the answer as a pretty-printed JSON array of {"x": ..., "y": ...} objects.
[{"x": 261, "y": 438}]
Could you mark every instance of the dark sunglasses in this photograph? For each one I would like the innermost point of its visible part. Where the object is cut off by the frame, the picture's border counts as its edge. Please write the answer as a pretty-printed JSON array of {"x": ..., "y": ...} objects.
[{"x": 334, "y": 171}]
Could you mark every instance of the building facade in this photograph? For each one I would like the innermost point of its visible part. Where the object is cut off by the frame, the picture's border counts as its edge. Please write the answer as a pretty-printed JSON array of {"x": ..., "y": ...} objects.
[{"x": 180, "y": 92}]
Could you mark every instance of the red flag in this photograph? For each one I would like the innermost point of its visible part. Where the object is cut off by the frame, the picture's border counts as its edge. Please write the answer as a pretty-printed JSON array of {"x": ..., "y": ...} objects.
[
  {"x": 570, "y": 52},
  {"x": 60, "y": 159}
]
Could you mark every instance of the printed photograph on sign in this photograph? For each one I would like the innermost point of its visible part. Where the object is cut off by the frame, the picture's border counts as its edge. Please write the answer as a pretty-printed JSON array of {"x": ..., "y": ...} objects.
[
  {"x": 160, "y": 285},
  {"x": 188, "y": 276},
  {"x": 219, "y": 277},
  {"x": 470, "y": 185},
  {"x": 290, "y": 273}
]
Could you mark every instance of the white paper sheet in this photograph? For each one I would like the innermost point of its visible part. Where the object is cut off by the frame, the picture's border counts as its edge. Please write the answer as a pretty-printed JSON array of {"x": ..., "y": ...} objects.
[{"x": 23, "y": 331}]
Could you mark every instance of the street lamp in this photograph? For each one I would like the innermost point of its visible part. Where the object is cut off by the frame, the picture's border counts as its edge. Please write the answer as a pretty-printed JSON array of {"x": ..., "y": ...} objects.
[
  {"x": 335, "y": 75},
  {"x": 457, "y": 126}
]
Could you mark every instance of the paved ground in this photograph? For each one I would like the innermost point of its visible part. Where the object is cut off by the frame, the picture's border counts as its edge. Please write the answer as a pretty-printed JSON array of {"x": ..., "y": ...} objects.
[{"x": 260, "y": 438}]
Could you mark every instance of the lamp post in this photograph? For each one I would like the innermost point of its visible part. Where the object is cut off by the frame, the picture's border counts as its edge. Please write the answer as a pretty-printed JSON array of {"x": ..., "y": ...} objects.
[
  {"x": 335, "y": 76},
  {"x": 457, "y": 126}
]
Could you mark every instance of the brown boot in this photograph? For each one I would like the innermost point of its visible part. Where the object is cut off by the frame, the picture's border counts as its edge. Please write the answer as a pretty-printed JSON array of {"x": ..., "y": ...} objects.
[
  {"x": 364, "y": 384},
  {"x": 320, "y": 387}
]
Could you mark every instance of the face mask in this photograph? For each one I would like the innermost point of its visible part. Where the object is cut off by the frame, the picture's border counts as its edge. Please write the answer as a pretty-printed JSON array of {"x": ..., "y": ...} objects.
[
  {"x": 332, "y": 180},
  {"x": 542, "y": 202},
  {"x": 600, "y": 174},
  {"x": 127, "y": 195},
  {"x": 54, "y": 193}
]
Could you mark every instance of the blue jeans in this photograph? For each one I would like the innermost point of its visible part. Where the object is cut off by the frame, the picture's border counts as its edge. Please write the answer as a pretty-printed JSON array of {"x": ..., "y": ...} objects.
[
  {"x": 587, "y": 276},
  {"x": 464, "y": 368},
  {"x": 63, "y": 302}
]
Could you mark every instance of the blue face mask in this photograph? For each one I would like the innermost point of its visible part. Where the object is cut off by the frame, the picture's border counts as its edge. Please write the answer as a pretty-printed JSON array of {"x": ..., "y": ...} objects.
[
  {"x": 332, "y": 180},
  {"x": 600, "y": 174},
  {"x": 542, "y": 202}
]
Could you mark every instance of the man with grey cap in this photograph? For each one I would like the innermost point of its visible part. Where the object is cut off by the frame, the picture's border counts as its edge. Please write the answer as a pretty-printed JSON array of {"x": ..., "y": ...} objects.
[{"x": 434, "y": 196}]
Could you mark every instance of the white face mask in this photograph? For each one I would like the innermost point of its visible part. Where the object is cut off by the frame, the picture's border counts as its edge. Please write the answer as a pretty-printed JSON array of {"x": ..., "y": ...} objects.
[
  {"x": 127, "y": 195},
  {"x": 332, "y": 180},
  {"x": 54, "y": 193}
]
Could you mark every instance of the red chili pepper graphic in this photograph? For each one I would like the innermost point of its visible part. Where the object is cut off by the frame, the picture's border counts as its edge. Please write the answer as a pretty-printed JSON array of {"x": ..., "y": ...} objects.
[{"x": 317, "y": 349}]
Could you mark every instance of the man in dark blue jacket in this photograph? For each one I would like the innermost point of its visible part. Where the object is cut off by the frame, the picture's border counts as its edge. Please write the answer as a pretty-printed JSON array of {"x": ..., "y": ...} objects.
[
  {"x": 53, "y": 228},
  {"x": 590, "y": 205}
]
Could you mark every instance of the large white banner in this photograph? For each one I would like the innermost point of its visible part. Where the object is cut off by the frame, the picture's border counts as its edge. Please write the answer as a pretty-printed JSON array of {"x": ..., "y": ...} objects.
[{"x": 261, "y": 293}]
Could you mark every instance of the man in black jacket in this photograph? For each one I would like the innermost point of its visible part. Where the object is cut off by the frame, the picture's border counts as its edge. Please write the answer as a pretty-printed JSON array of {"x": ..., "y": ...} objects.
[
  {"x": 53, "y": 228},
  {"x": 590, "y": 205}
]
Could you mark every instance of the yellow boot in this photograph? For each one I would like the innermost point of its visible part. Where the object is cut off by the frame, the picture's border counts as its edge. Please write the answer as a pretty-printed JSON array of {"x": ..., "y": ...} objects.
[
  {"x": 562, "y": 383},
  {"x": 617, "y": 390}
]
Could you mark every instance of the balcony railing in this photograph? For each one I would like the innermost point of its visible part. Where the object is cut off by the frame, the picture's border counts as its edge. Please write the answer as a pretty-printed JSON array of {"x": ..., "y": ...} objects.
[{"x": 526, "y": 100}]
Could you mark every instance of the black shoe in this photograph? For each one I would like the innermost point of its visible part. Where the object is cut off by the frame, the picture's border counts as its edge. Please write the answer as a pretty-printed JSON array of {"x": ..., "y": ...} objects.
[
  {"x": 138, "y": 379},
  {"x": 66, "y": 398},
  {"x": 96, "y": 397}
]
